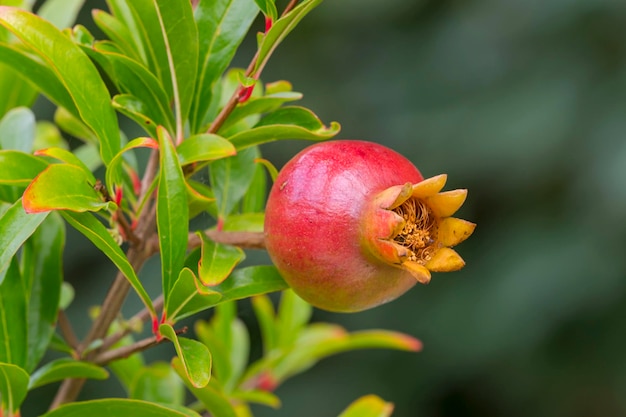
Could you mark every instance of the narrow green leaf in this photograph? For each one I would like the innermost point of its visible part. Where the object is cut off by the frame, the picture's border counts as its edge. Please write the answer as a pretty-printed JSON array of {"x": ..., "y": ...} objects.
[
  {"x": 48, "y": 135},
  {"x": 258, "y": 106},
  {"x": 13, "y": 386},
  {"x": 250, "y": 281},
  {"x": 125, "y": 14},
  {"x": 200, "y": 198},
  {"x": 230, "y": 179},
  {"x": 204, "y": 147},
  {"x": 254, "y": 200},
  {"x": 13, "y": 317},
  {"x": 195, "y": 356},
  {"x": 117, "y": 31},
  {"x": 15, "y": 90},
  {"x": 65, "y": 368},
  {"x": 120, "y": 407},
  {"x": 280, "y": 29},
  {"x": 172, "y": 215},
  {"x": 135, "y": 109},
  {"x": 115, "y": 173},
  {"x": 68, "y": 157},
  {"x": 42, "y": 271},
  {"x": 293, "y": 314},
  {"x": 19, "y": 168},
  {"x": 61, "y": 13},
  {"x": 258, "y": 396},
  {"x": 37, "y": 74},
  {"x": 285, "y": 123},
  {"x": 74, "y": 69},
  {"x": 222, "y": 26},
  {"x": 17, "y": 130},
  {"x": 15, "y": 227},
  {"x": 186, "y": 298},
  {"x": 64, "y": 187},
  {"x": 72, "y": 125},
  {"x": 268, "y": 7},
  {"x": 368, "y": 406},
  {"x": 179, "y": 31},
  {"x": 158, "y": 383},
  {"x": 266, "y": 316},
  {"x": 211, "y": 395},
  {"x": 245, "y": 222},
  {"x": 133, "y": 78},
  {"x": 95, "y": 231},
  {"x": 217, "y": 262}
]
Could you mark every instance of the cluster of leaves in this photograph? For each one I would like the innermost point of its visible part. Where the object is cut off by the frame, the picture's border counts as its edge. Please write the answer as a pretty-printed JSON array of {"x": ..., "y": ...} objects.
[{"x": 165, "y": 65}]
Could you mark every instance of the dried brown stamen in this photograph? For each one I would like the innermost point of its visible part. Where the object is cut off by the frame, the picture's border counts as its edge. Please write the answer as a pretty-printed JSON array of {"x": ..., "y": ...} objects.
[{"x": 419, "y": 233}]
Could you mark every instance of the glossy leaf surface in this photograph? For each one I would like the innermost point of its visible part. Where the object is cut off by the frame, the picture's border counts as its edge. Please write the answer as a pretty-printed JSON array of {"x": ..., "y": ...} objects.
[
  {"x": 19, "y": 168},
  {"x": 188, "y": 297},
  {"x": 172, "y": 215},
  {"x": 217, "y": 261},
  {"x": 158, "y": 383},
  {"x": 76, "y": 71},
  {"x": 204, "y": 147},
  {"x": 119, "y": 407},
  {"x": 195, "y": 357},
  {"x": 64, "y": 368},
  {"x": 17, "y": 130},
  {"x": 64, "y": 187},
  {"x": 286, "y": 123},
  {"x": 15, "y": 227},
  {"x": 13, "y": 386},
  {"x": 222, "y": 25},
  {"x": 231, "y": 177}
]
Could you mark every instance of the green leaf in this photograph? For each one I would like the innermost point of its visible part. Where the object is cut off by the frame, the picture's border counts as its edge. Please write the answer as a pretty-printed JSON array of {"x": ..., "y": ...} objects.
[
  {"x": 254, "y": 199},
  {"x": 133, "y": 78},
  {"x": 230, "y": 179},
  {"x": 119, "y": 407},
  {"x": 72, "y": 125},
  {"x": 42, "y": 272},
  {"x": 259, "y": 105},
  {"x": 187, "y": 297},
  {"x": 268, "y": 7},
  {"x": 211, "y": 395},
  {"x": 61, "y": 13},
  {"x": 117, "y": 31},
  {"x": 217, "y": 262},
  {"x": 15, "y": 227},
  {"x": 13, "y": 317},
  {"x": 195, "y": 356},
  {"x": 368, "y": 406},
  {"x": 222, "y": 26},
  {"x": 95, "y": 231},
  {"x": 286, "y": 123},
  {"x": 258, "y": 396},
  {"x": 15, "y": 90},
  {"x": 245, "y": 222},
  {"x": 74, "y": 69},
  {"x": 131, "y": 21},
  {"x": 228, "y": 340},
  {"x": 13, "y": 386},
  {"x": 280, "y": 29},
  {"x": 65, "y": 368},
  {"x": 64, "y": 187},
  {"x": 266, "y": 316},
  {"x": 158, "y": 383},
  {"x": 172, "y": 214},
  {"x": 200, "y": 198},
  {"x": 293, "y": 315},
  {"x": 17, "y": 130},
  {"x": 48, "y": 135},
  {"x": 38, "y": 75},
  {"x": 250, "y": 281},
  {"x": 114, "y": 174},
  {"x": 19, "y": 168},
  {"x": 179, "y": 31},
  {"x": 135, "y": 109},
  {"x": 68, "y": 157},
  {"x": 204, "y": 147}
]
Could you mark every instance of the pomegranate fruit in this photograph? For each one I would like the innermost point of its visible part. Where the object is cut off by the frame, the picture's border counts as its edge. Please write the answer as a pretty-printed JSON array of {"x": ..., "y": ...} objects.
[{"x": 351, "y": 225}]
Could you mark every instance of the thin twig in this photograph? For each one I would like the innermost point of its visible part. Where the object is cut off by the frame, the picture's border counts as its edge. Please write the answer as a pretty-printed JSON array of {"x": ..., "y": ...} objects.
[
  {"x": 67, "y": 330},
  {"x": 141, "y": 317}
]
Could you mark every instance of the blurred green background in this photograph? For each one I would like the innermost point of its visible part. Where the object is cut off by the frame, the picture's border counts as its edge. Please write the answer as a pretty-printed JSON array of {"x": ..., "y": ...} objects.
[{"x": 523, "y": 102}]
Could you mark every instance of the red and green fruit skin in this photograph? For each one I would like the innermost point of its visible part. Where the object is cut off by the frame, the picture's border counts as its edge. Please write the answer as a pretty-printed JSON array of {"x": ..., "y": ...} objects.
[{"x": 314, "y": 224}]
